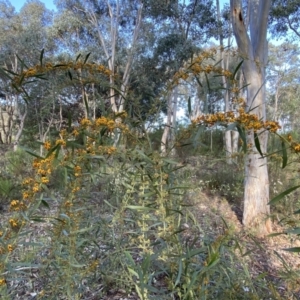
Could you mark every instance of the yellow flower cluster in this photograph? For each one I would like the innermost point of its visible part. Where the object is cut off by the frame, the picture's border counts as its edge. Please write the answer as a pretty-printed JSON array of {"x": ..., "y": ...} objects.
[
  {"x": 16, "y": 205},
  {"x": 48, "y": 67},
  {"x": 43, "y": 169},
  {"x": 77, "y": 171},
  {"x": 47, "y": 145},
  {"x": 61, "y": 142},
  {"x": 247, "y": 120},
  {"x": 295, "y": 146},
  {"x": 43, "y": 166},
  {"x": 14, "y": 223}
]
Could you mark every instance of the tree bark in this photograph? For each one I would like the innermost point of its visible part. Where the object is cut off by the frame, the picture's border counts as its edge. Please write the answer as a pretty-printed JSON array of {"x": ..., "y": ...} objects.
[
  {"x": 253, "y": 49},
  {"x": 165, "y": 135}
]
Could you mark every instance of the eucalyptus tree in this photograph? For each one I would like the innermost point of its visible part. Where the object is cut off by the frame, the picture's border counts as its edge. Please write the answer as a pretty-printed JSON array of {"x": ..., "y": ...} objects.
[
  {"x": 115, "y": 28},
  {"x": 253, "y": 48},
  {"x": 182, "y": 28},
  {"x": 22, "y": 36},
  {"x": 284, "y": 19},
  {"x": 283, "y": 85}
]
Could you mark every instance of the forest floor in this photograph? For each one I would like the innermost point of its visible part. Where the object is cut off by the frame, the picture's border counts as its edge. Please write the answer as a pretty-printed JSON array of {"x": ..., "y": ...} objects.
[{"x": 261, "y": 256}]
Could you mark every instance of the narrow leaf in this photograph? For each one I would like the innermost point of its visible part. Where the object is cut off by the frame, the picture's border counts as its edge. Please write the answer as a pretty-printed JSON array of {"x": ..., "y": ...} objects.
[
  {"x": 70, "y": 75},
  {"x": 236, "y": 69},
  {"x": 189, "y": 106},
  {"x": 257, "y": 144},
  {"x": 78, "y": 56},
  {"x": 87, "y": 57},
  {"x": 45, "y": 203},
  {"x": 280, "y": 196},
  {"x": 294, "y": 249},
  {"x": 41, "y": 57},
  {"x": 31, "y": 153},
  {"x": 284, "y": 154},
  {"x": 198, "y": 81},
  {"x": 179, "y": 273},
  {"x": 243, "y": 137}
]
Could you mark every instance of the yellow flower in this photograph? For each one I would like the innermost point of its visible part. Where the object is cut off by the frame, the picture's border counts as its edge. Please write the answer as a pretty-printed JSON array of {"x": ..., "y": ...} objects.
[
  {"x": 101, "y": 121},
  {"x": 111, "y": 124},
  {"x": 44, "y": 180},
  {"x": 2, "y": 281},
  {"x": 10, "y": 248},
  {"x": 47, "y": 145},
  {"x": 76, "y": 189},
  {"x": 85, "y": 122},
  {"x": 77, "y": 171},
  {"x": 75, "y": 132},
  {"x": 111, "y": 150},
  {"x": 60, "y": 142},
  {"x": 13, "y": 223},
  {"x": 35, "y": 188},
  {"x": 26, "y": 195}
]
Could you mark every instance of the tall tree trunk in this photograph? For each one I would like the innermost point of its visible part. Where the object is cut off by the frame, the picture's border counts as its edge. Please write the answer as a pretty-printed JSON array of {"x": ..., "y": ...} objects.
[
  {"x": 174, "y": 122},
  {"x": 254, "y": 50},
  {"x": 227, "y": 134},
  {"x": 165, "y": 135},
  {"x": 22, "y": 117}
]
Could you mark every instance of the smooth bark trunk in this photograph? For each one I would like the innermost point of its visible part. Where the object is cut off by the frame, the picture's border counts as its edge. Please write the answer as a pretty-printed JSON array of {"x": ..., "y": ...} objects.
[{"x": 253, "y": 49}]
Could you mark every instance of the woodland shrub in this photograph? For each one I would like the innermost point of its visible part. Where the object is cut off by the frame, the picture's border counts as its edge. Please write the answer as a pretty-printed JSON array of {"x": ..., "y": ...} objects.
[
  {"x": 94, "y": 219},
  {"x": 120, "y": 222}
]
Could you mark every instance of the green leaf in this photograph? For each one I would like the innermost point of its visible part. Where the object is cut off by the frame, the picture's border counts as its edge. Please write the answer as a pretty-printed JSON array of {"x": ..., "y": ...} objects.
[
  {"x": 70, "y": 75},
  {"x": 56, "y": 147},
  {"x": 257, "y": 144},
  {"x": 283, "y": 194},
  {"x": 294, "y": 249},
  {"x": 242, "y": 136},
  {"x": 179, "y": 272},
  {"x": 31, "y": 153},
  {"x": 284, "y": 154},
  {"x": 250, "y": 108},
  {"x": 189, "y": 106},
  {"x": 5, "y": 74},
  {"x": 207, "y": 82},
  {"x": 294, "y": 230},
  {"x": 87, "y": 57},
  {"x": 22, "y": 62},
  {"x": 45, "y": 203},
  {"x": 78, "y": 56},
  {"x": 276, "y": 234},
  {"x": 41, "y": 57},
  {"x": 170, "y": 161},
  {"x": 10, "y": 72},
  {"x": 60, "y": 65},
  {"x": 198, "y": 81},
  {"x": 37, "y": 219},
  {"x": 236, "y": 70}
]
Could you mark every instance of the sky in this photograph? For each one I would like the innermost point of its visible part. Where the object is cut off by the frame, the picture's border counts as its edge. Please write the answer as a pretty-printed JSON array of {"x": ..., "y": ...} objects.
[
  {"x": 50, "y": 5},
  {"x": 19, "y": 3}
]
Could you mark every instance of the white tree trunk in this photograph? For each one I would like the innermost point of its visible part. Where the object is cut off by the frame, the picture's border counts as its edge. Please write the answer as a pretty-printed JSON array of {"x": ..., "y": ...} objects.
[
  {"x": 110, "y": 49},
  {"x": 254, "y": 50},
  {"x": 165, "y": 135}
]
